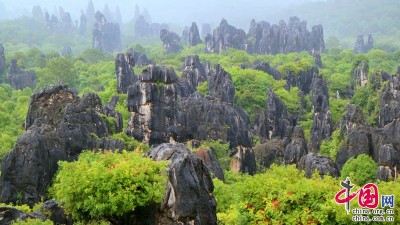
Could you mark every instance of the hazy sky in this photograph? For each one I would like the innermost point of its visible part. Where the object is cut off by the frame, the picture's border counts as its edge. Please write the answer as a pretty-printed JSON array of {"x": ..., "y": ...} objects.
[{"x": 237, "y": 12}]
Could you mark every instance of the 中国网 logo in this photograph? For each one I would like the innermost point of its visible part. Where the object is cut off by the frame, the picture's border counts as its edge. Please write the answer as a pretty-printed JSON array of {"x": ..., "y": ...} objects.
[{"x": 368, "y": 200}]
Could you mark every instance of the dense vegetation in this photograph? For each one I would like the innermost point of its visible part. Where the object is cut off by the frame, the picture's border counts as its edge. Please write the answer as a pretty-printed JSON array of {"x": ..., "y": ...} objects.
[{"x": 276, "y": 195}]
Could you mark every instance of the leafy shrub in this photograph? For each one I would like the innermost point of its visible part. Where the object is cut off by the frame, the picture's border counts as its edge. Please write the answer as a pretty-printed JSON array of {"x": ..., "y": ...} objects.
[
  {"x": 361, "y": 169},
  {"x": 331, "y": 147},
  {"x": 130, "y": 143},
  {"x": 112, "y": 186},
  {"x": 203, "y": 88}
]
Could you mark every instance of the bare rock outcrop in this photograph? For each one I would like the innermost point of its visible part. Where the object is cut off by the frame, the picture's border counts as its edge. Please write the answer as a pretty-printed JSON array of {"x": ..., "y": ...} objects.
[
  {"x": 323, "y": 164},
  {"x": 188, "y": 198},
  {"x": 106, "y": 35},
  {"x": 225, "y": 36},
  {"x": 59, "y": 126},
  {"x": 194, "y": 35},
  {"x": 20, "y": 79},
  {"x": 322, "y": 122},
  {"x": 2, "y": 59},
  {"x": 171, "y": 41},
  {"x": 361, "y": 46},
  {"x": 124, "y": 71},
  {"x": 293, "y": 36}
]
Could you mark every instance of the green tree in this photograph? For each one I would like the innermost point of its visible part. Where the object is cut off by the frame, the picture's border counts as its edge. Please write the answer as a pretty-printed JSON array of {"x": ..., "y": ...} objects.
[
  {"x": 360, "y": 169},
  {"x": 111, "y": 187},
  {"x": 58, "y": 70}
]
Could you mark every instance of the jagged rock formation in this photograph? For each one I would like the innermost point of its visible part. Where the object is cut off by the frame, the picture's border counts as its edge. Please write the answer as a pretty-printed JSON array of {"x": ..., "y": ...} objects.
[
  {"x": 270, "y": 152},
  {"x": 265, "y": 67},
  {"x": 220, "y": 85},
  {"x": 276, "y": 121},
  {"x": 170, "y": 41},
  {"x": 224, "y": 37},
  {"x": 303, "y": 80},
  {"x": 188, "y": 198},
  {"x": 109, "y": 110},
  {"x": 59, "y": 126},
  {"x": 141, "y": 59},
  {"x": 363, "y": 47},
  {"x": 124, "y": 63},
  {"x": 106, "y": 36},
  {"x": 317, "y": 58},
  {"x": 360, "y": 77},
  {"x": 322, "y": 122},
  {"x": 165, "y": 108},
  {"x": 323, "y": 164},
  {"x": 263, "y": 38},
  {"x": 62, "y": 24},
  {"x": 194, "y": 72},
  {"x": 194, "y": 35},
  {"x": 8, "y": 215},
  {"x": 208, "y": 158},
  {"x": 20, "y": 79},
  {"x": 83, "y": 21},
  {"x": 389, "y": 162},
  {"x": 205, "y": 29},
  {"x": 389, "y": 102},
  {"x": 185, "y": 34},
  {"x": 2, "y": 59},
  {"x": 297, "y": 147}
]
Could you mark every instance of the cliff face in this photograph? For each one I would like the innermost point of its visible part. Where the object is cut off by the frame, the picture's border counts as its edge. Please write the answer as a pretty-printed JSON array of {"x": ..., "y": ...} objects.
[
  {"x": 106, "y": 35},
  {"x": 18, "y": 78}
]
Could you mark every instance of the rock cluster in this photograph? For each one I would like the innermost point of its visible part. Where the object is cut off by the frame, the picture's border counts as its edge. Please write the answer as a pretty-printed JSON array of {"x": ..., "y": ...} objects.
[
  {"x": 20, "y": 79},
  {"x": 106, "y": 36},
  {"x": 171, "y": 41},
  {"x": 166, "y": 108},
  {"x": 188, "y": 198},
  {"x": 124, "y": 63},
  {"x": 59, "y": 125},
  {"x": 2, "y": 59},
  {"x": 321, "y": 128},
  {"x": 225, "y": 36},
  {"x": 363, "y": 47},
  {"x": 62, "y": 24},
  {"x": 263, "y": 38},
  {"x": 194, "y": 35}
]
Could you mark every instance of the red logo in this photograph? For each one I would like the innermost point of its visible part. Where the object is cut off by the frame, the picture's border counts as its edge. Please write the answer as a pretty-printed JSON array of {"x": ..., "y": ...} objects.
[{"x": 368, "y": 195}]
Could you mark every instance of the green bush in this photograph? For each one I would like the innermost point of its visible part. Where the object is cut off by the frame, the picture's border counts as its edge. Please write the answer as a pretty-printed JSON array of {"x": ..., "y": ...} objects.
[
  {"x": 203, "y": 88},
  {"x": 331, "y": 147},
  {"x": 32, "y": 222},
  {"x": 112, "y": 186},
  {"x": 361, "y": 169}
]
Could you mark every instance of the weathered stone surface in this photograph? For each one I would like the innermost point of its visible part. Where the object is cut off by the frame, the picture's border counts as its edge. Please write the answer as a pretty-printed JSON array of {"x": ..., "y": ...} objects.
[
  {"x": 270, "y": 152},
  {"x": 8, "y": 215},
  {"x": 59, "y": 126},
  {"x": 171, "y": 41},
  {"x": 2, "y": 59},
  {"x": 323, "y": 164},
  {"x": 322, "y": 122},
  {"x": 55, "y": 213},
  {"x": 220, "y": 85},
  {"x": 263, "y": 38},
  {"x": 106, "y": 36},
  {"x": 188, "y": 198},
  {"x": 194, "y": 35},
  {"x": 363, "y": 47},
  {"x": 352, "y": 118},
  {"x": 208, "y": 158},
  {"x": 165, "y": 108},
  {"x": 303, "y": 80},
  {"x": 141, "y": 59},
  {"x": 224, "y": 37},
  {"x": 194, "y": 72},
  {"x": 297, "y": 147},
  {"x": 317, "y": 58},
  {"x": 124, "y": 72},
  {"x": 109, "y": 110},
  {"x": 360, "y": 77},
  {"x": 20, "y": 79},
  {"x": 389, "y": 102},
  {"x": 62, "y": 24},
  {"x": 276, "y": 121},
  {"x": 265, "y": 67},
  {"x": 243, "y": 160}
]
